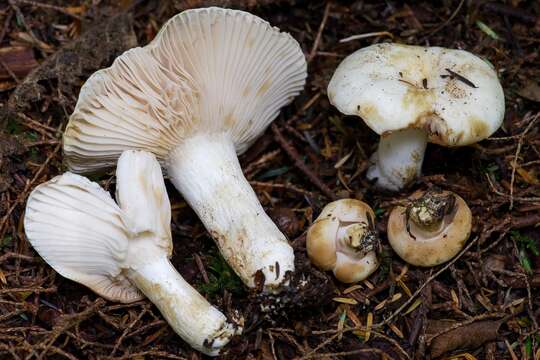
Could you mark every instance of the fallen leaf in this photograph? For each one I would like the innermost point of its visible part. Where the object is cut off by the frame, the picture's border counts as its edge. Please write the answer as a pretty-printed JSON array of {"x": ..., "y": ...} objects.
[
  {"x": 468, "y": 336},
  {"x": 19, "y": 60},
  {"x": 530, "y": 91}
]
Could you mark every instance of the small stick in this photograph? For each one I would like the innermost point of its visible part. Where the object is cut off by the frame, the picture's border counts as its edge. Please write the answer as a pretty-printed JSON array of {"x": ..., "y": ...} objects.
[
  {"x": 313, "y": 51},
  {"x": 366, "y": 35},
  {"x": 202, "y": 270},
  {"x": 419, "y": 290},
  {"x": 289, "y": 149},
  {"x": 514, "y": 162}
]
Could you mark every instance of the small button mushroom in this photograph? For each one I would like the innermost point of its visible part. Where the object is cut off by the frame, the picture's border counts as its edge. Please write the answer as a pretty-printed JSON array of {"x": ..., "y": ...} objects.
[
  {"x": 122, "y": 251},
  {"x": 410, "y": 95},
  {"x": 200, "y": 93},
  {"x": 343, "y": 239},
  {"x": 431, "y": 229}
]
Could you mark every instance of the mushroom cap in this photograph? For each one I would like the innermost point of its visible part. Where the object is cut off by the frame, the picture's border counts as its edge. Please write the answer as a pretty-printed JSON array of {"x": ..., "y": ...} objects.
[
  {"x": 208, "y": 70},
  {"x": 394, "y": 87},
  {"x": 78, "y": 229},
  {"x": 85, "y": 236},
  {"x": 430, "y": 248},
  {"x": 328, "y": 253}
]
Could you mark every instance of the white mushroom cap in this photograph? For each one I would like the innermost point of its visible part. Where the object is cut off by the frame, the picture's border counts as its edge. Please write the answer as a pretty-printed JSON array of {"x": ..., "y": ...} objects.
[
  {"x": 432, "y": 245},
  {"x": 208, "y": 70},
  {"x": 341, "y": 239},
  {"x": 395, "y": 87},
  {"x": 122, "y": 252},
  {"x": 79, "y": 230}
]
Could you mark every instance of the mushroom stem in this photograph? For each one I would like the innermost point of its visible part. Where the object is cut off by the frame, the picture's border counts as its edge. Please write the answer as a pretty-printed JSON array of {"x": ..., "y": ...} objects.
[
  {"x": 205, "y": 169},
  {"x": 428, "y": 211},
  {"x": 398, "y": 160},
  {"x": 204, "y": 327},
  {"x": 357, "y": 238}
]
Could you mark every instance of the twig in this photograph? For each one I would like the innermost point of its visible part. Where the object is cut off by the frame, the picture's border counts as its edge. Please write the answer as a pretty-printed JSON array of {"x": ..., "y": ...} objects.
[
  {"x": 429, "y": 280},
  {"x": 444, "y": 24},
  {"x": 346, "y": 353},
  {"x": 313, "y": 51},
  {"x": 21, "y": 18},
  {"x": 27, "y": 187},
  {"x": 523, "y": 199},
  {"x": 48, "y": 6},
  {"x": 202, "y": 270},
  {"x": 127, "y": 329},
  {"x": 289, "y": 149},
  {"x": 367, "y": 35},
  {"x": 514, "y": 163},
  {"x": 280, "y": 186},
  {"x": 36, "y": 290}
]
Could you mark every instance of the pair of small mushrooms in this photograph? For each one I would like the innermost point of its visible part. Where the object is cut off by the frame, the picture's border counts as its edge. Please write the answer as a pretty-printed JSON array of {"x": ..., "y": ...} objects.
[
  {"x": 409, "y": 95},
  {"x": 428, "y": 230},
  {"x": 199, "y": 94}
]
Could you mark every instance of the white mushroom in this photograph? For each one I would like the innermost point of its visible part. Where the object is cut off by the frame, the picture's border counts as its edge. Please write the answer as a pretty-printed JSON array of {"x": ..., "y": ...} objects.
[
  {"x": 431, "y": 229},
  {"x": 343, "y": 239},
  {"x": 199, "y": 94},
  {"x": 122, "y": 251},
  {"x": 411, "y": 95}
]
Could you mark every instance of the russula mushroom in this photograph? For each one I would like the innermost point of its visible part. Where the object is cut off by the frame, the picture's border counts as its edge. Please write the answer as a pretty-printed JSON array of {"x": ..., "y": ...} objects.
[
  {"x": 431, "y": 228},
  {"x": 122, "y": 251},
  {"x": 199, "y": 94},
  {"x": 343, "y": 239},
  {"x": 411, "y": 95}
]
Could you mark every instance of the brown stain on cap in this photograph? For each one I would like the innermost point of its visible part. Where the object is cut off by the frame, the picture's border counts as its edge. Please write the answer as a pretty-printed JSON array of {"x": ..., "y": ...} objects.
[
  {"x": 479, "y": 128},
  {"x": 421, "y": 99},
  {"x": 229, "y": 120}
]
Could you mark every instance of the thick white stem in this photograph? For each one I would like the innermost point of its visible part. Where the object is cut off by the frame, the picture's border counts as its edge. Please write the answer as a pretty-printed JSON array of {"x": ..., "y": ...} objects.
[
  {"x": 205, "y": 169},
  {"x": 398, "y": 160},
  {"x": 193, "y": 318}
]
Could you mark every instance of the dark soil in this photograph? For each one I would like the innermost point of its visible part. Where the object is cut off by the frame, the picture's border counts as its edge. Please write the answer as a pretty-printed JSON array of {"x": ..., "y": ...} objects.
[{"x": 483, "y": 305}]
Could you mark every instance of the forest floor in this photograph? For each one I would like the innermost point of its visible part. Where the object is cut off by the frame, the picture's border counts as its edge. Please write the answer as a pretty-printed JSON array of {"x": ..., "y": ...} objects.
[{"x": 485, "y": 304}]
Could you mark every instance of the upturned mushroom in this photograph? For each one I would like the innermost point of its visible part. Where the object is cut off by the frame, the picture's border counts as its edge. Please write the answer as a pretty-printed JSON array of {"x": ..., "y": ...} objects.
[
  {"x": 200, "y": 93},
  {"x": 343, "y": 239},
  {"x": 122, "y": 251},
  {"x": 410, "y": 95},
  {"x": 431, "y": 228}
]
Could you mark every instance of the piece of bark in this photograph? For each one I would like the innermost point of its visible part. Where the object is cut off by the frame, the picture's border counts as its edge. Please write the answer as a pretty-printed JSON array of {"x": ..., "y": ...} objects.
[
  {"x": 19, "y": 60},
  {"x": 68, "y": 67},
  {"x": 468, "y": 336}
]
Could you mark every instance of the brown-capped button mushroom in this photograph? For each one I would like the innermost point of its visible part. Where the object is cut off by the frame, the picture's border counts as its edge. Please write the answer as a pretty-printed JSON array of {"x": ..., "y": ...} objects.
[
  {"x": 343, "y": 239},
  {"x": 431, "y": 229}
]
